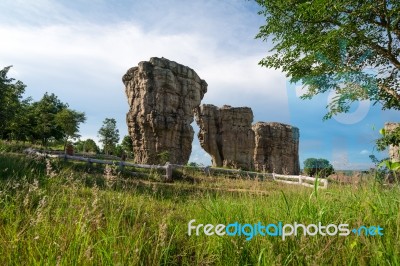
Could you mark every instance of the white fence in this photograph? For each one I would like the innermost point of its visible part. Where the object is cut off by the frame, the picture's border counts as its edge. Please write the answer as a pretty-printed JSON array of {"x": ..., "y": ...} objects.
[
  {"x": 167, "y": 167},
  {"x": 301, "y": 180}
]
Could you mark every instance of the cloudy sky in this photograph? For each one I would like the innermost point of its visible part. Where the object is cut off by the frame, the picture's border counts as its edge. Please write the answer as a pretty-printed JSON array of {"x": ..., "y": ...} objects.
[{"x": 80, "y": 49}]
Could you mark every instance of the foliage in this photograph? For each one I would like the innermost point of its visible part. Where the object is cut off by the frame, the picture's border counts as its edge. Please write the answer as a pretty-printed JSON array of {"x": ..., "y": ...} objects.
[
  {"x": 44, "y": 112},
  {"x": 318, "y": 167},
  {"x": 87, "y": 145},
  {"x": 44, "y": 120},
  {"x": 392, "y": 166},
  {"x": 388, "y": 138},
  {"x": 333, "y": 45},
  {"x": 109, "y": 135},
  {"x": 118, "y": 151},
  {"x": 11, "y": 106},
  {"x": 68, "y": 121},
  {"x": 193, "y": 164},
  {"x": 127, "y": 146},
  {"x": 6, "y": 146}
]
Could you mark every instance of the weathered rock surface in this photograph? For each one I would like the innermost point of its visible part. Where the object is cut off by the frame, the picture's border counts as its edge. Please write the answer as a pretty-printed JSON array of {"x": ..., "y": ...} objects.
[
  {"x": 162, "y": 96},
  {"x": 393, "y": 150},
  {"x": 226, "y": 134},
  {"x": 276, "y": 148}
]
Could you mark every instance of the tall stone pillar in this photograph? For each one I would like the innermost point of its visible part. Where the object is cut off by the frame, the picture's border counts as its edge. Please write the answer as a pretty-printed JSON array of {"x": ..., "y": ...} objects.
[{"x": 162, "y": 96}]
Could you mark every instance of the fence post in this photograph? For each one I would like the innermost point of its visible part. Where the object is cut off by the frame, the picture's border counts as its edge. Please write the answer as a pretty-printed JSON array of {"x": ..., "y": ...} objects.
[
  {"x": 207, "y": 170},
  {"x": 273, "y": 176},
  {"x": 300, "y": 180},
  {"x": 168, "y": 171},
  {"x": 121, "y": 165},
  {"x": 263, "y": 172}
]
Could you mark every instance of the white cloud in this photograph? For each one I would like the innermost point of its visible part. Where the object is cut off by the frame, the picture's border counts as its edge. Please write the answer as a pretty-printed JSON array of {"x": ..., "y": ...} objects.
[
  {"x": 364, "y": 152},
  {"x": 83, "y": 64}
]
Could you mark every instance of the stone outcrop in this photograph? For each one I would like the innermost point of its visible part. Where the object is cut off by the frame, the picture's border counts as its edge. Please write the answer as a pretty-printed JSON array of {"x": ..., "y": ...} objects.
[
  {"x": 393, "y": 150},
  {"x": 276, "y": 148},
  {"x": 162, "y": 96},
  {"x": 226, "y": 134}
]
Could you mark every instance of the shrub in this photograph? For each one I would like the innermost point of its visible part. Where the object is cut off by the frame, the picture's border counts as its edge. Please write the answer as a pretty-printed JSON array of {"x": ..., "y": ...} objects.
[{"x": 320, "y": 167}]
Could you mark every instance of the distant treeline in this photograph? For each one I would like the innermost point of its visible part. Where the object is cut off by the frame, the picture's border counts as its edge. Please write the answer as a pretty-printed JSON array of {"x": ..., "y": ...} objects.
[
  {"x": 27, "y": 120},
  {"x": 50, "y": 121}
]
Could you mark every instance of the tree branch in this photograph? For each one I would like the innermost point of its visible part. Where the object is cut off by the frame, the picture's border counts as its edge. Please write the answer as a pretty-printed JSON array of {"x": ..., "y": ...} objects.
[
  {"x": 381, "y": 50},
  {"x": 389, "y": 34},
  {"x": 391, "y": 92}
]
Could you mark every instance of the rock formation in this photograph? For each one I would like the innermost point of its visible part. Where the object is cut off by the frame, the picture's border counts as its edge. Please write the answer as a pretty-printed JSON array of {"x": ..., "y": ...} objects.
[
  {"x": 393, "y": 150},
  {"x": 228, "y": 136},
  {"x": 162, "y": 96},
  {"x": 276, "y": 148},
  {"x": 225, "y": 133}
]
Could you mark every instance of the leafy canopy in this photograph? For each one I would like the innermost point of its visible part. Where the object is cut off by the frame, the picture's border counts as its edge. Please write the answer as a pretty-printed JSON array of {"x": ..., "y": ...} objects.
[
  {"x": 320, "y": 167},
  {"x": 109, "y": 134},
  {"x": 10, "y": 103},
  {"x": 68, "y": 121},
  {"x": 127, "y": 146},
  {"x": 346, "y": 46},
  {"x": 44, "y": 120},
  {"x": 44, "y": 112},
  {"x": 88, "y": 145},
  {"x": 388, "y": 138}
]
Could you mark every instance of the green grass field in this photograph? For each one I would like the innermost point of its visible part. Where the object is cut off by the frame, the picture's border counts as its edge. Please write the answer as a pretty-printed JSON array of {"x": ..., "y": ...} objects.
[{"x": 60, "y": 213}]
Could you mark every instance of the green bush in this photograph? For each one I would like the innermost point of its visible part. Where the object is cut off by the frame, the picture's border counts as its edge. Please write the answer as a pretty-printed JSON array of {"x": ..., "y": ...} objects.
[
  {"x": 13, "y": 147},
  {"x": 320, "y": 167}
]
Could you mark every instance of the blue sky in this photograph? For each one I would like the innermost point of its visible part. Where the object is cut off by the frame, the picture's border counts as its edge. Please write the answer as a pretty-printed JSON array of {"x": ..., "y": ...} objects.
[{"x": 80, "y": 50}]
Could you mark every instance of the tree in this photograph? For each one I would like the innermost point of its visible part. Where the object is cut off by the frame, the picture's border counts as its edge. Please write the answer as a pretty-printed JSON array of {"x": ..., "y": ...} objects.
[
  {"x": 10, "y": 104},
  {"x": 87, "y": 145},
  {"x": 109, "y": 135},
  {"x": 127, "y": 146},
  {"x": 320, "y": 167},
  {"x": 332, "y": 45},
  {"x": 45, "y": 111},
  {"x": 46, "y": 119},
  {"x": 20, "y": 126},
  {"x": 68, "y": 121}
]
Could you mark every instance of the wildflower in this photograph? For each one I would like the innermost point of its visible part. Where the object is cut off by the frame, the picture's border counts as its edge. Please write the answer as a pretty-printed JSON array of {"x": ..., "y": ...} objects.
[
  {"x": 49, "y": 169},
  {"x": 109, "y": 176},
  {"x": 162, "y": 233},
  {"x": 35, "y": 186}
]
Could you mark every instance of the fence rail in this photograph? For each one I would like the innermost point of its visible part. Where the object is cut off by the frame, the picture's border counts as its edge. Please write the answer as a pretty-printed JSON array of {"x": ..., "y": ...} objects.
[
  {"x": 169, "y": 167},
  {"x": 300, "y": 180}
]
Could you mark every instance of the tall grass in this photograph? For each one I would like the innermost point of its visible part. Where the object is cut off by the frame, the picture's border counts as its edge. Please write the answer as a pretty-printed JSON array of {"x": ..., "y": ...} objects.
[{"x": 60, "y": 214}]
